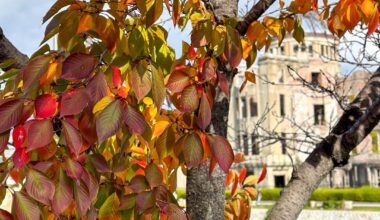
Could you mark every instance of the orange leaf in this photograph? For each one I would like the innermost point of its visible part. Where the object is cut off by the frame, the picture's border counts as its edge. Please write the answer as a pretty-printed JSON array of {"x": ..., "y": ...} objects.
[
  {"x": 86, "y": 23},
  {"x": 242, "y": 175},
  {"x": 263, "y": 173}
]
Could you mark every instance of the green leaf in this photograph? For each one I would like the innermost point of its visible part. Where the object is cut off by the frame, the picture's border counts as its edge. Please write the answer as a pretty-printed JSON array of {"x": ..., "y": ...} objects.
[
  {"x": 153, "y": 175},
  {"x": 189, "y": 100},
  {"x": 24, "y": 207},
  {"x": 222, "y": 151},
  {"x": 40, "y": 134},
  {"x": 298, "y": 32},
  {"x": 145, "y": 200},
  {"x": 55, "y": 8},
  {"x": 39, "y": 186},
  {"x": 135, "y": 43},
  {"x": 192, "y": 150},
  {"x": 109, "y": 207},
  {"x": 72, "y": 137},
  {"x": 109, "y": 121},
  {"x": 78, "y": 66},
  {"x": 33, "y": 71},
  {"x": 63, "y": 193},
  {"x": 158, "y": 87},
  {"x": 9, "y": 73},
  {"x": 10, "y": 113},
  {"x": 7, "y": 63},
  {"x": 134, "y": 120}
]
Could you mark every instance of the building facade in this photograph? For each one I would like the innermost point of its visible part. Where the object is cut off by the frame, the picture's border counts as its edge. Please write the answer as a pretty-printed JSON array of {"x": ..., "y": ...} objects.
[{"x": 278, "y": 120}]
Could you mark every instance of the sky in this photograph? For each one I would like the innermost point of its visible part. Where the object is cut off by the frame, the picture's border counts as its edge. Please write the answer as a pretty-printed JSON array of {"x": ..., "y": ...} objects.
[{"x": 21, "y": 21}]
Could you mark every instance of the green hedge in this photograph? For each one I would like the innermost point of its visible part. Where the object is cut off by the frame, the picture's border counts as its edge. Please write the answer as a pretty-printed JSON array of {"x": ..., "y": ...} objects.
[{"x": 368, "y": 194}]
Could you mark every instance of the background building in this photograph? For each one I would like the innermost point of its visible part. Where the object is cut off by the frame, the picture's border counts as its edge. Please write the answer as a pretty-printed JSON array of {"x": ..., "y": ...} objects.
[{"x": 298, "y": 97}]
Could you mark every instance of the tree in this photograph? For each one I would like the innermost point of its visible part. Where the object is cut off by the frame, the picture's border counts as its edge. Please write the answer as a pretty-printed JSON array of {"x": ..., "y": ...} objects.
[{"x": 91, "y": 136}]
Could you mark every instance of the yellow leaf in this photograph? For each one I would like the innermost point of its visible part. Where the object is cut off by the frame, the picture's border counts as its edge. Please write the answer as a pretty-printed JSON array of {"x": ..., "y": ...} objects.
[
  {"x": 86, "y": 23},
  {"x": 250, "y": 77},
  {"x": 247, "y": 47},
  {"x": 368, "y": 8},
  {"x": 53, "y": 72},
  {"x": 255, "y": 29},
  {"x": 148, "y": 101},
  {"x": 252, "y": 191},
  {"x": 250, "y": 180},
  {"x": 160, "y": 127},
  {"x": 274, "y": 25},
  {"x": 104, "y": 102}
]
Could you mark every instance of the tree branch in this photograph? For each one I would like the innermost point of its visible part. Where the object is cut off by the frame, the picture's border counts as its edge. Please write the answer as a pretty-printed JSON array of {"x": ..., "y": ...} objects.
[
  {"x": 354, "y": 125},
  {"x": 8, "y": 51},
  {"x": 256, "y": 11}
]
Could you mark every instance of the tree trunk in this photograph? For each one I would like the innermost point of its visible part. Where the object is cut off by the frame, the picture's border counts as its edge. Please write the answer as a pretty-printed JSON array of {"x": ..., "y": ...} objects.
[
  {"x": 353, "y": 126},
  {"x": 205, "y": 193},
  {"x": 8, "y": 51}
]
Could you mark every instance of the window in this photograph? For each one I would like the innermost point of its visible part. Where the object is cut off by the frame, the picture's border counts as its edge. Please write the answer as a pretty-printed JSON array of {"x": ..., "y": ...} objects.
[
  {"x": 244, "y": 107},
  {"x": 311, "y": 49},
  {"x": 295, "y": 48},
  {"x": 283, "y": 143},
  {"x": 282, "y": 105},
  {"x": 255, "y": 147},
  {"x": 271, "y": 50},
  {"x": 303, "y": 47},
  {"x": 245, "y": 141},
  {"x": 253, "y": 107},
  {"x": 281, "y": 78},
  {"x": 322, "y": 50},
  {"x": 315, "y": 78},
  {"x": 279, "y": 181},
  {"x": 282, "y": 49},
  {"x": 319, "y": 115}
]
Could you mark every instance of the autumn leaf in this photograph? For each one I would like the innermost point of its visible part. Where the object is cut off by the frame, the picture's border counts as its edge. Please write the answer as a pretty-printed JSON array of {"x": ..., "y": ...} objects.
[
  {"x": 39, "y": 187},
  {"x": 74, "y": 101},
  {"x": 72, "y": 137},
  {"x": 40, "y": 134},
  {"x": 222, "y": 151},
  {"x": 34, "y": 69},
  {"x": 177, "y": 81},
  {"x": 63, "y": 193},
  {"x": 10, "y": 112},
  {"x": 153, "y": 175},
  {"x": 18, "y": 136},
  {"x": 78, "y": 66},
  {"x": 20, "y": 158},
  {"x": 24, "y": 207},
  {"x": 109, "y": 120},
  {"x": 45, "y": 105},
  {"x": 192, "y": 150}
]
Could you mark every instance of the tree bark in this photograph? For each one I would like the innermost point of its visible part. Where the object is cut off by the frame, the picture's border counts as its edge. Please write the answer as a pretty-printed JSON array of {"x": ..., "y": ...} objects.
[
  {"x": 353, "y": 126},
  {"x": 8, "y": 51}
]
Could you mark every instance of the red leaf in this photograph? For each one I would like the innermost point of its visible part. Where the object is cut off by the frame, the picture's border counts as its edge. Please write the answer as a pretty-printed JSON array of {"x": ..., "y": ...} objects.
[
  {"x": 5, "y": 215},
  {"x": 242, "y": 175},
  {"x": 145, "y": 200},
  {"x": 178, "y": 81},
  {"x": 222, "y": 151},
  {"x": 209, "y": 69},
  {"x": 234, "y": 186},
  {"x": 204, "y": 114},
  {"x": 192, "y": 150},
  {"x": 91, "y": 183},
  {"x": 40, "y": 134},
  {"x": 20, "y": 158},
  {"x": 87, "y": 126},
  {"x": 33, "y": 71},
  {"x": 39, "y": 187},
  {"x": 138, "y": 184},
  {"x": 72, "y": 137},
  {"x": 223, "y": 84},
  {"x": 189, "y": 100},
  {"x": 73, "y": 102},
  {"x": 263, "y": 173},
  {"x": 78, "y": 66},
  {"x": 18, "y": 136},
  {"x": 82, "y": 198},
  {"x": 116, "y": 76},
  {"x": 99, "y": 163},
  {"x": 25, "y": 208},
  {"x": 63, "y": 194},
  {"x": 134, "y": 120},
  {"x": 373, "y": 23},
  {"x": 4, "y": 138},
  {"x": 73, "y": 169},
  {"x": 192, "y": 53},
  {"x": 174, "y": 212},
  {"x": 153, "y": 175},
  {"x": 10, "y": 113},
  {"x": 45, "y": 106},
  {"x": 97, "y": 88}
]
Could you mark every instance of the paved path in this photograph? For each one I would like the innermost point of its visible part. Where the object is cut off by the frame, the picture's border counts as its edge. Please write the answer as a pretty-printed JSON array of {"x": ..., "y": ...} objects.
[{"x": 259, "y": 214}]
